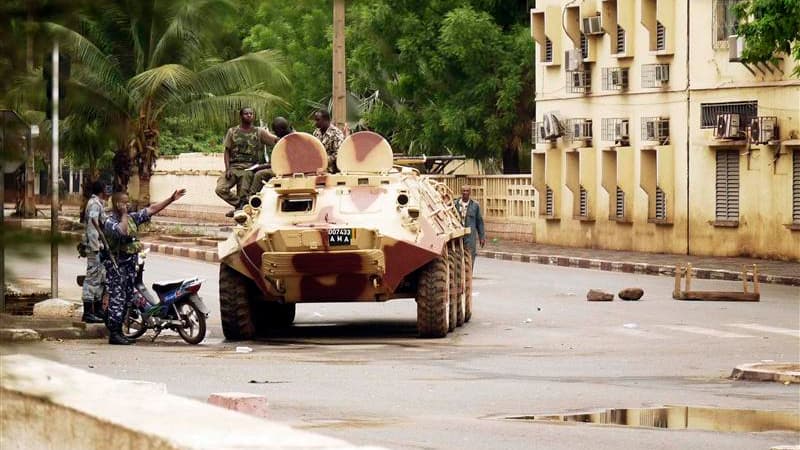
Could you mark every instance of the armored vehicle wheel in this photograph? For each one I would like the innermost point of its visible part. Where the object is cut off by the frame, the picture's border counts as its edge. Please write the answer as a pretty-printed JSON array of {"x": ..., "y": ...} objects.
[
  {"x": 454, "y": 272},
  {"x": 467, "y": 285},
  {"x": 234, "y": 306},
  {"x": 460, "y": 282},
  {"x": 433, "y": 300}
]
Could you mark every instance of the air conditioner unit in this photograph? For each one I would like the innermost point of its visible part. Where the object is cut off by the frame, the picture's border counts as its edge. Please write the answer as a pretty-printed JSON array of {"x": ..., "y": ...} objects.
[
  {"x": 591, "y": 25},
  {"x": 552, "y": 127},
  {"x": 763, "y": 130},
  {"x": 735, "y": 48},
  {"x": 621, "y": 131},
  {"x": 661, "y": 73},
  {"x": 727, "y": 126},
  {"x": 573, "y": 59},
  {"x": 619, "y": 77}
]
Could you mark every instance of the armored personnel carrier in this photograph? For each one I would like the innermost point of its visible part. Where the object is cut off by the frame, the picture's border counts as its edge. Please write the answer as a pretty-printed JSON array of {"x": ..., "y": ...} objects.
[{"x": 370, "y": 233}]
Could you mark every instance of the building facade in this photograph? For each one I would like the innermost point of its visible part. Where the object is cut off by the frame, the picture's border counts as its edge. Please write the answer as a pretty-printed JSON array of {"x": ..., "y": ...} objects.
[{"x": 652, "y": 136}]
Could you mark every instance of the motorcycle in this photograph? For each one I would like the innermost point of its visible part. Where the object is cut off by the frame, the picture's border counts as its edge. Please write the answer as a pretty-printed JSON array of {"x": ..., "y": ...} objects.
[{"x": 176, "y": 306}]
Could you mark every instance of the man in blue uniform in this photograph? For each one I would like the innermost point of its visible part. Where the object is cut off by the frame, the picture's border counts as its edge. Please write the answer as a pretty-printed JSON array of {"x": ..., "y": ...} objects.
[
  {"x": 121, "y": 230},
  {"x": 470, "y": 212}
]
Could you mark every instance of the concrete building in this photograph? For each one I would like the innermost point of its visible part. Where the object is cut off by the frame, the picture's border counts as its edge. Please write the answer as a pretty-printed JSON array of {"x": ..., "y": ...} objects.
[{"x": 637, "y": 141}]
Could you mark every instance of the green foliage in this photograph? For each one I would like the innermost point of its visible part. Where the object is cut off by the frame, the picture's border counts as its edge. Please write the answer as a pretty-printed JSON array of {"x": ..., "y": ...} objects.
[
  {"x": 770, "y": 27},
  {"x": 446, "y": 89},
  {"x": 301, "y": 30},
  {"x": 182, "y": 135}
]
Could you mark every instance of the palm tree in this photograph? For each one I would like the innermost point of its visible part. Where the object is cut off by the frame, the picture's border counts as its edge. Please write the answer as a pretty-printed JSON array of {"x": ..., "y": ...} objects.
[{"x": 136, "y": 61}]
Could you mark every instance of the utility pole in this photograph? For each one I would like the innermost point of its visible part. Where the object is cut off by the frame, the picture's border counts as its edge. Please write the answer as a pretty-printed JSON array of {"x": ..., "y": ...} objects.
[
  {"x": 339, "y": 73},
  {"x": 54, "y": 172}
]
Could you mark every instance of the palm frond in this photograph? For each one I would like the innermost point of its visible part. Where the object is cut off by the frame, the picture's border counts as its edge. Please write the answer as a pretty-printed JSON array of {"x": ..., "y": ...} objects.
[
  {"x": 86, "y": 53},
  {"x": 161, "y": 84},
  {"x": 263, "y": 68},
  {"x": 222, "y": 110}
]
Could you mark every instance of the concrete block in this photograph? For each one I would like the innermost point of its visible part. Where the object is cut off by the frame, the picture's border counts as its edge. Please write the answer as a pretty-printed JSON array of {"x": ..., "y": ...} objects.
[
  {"x": 57, "y": 308},
  {"x": 252, "y": 404},
  {"x": 19, "y": 334},
  {"x": 595, "y": 295},
  {"x": 44, "y": 403}
]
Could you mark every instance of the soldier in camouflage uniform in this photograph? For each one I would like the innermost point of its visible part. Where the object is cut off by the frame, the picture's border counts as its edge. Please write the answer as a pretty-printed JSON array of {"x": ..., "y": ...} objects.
[
  {"x": 281, "y": 127},
  {"x": 330, "y": 136},
  {"x": 95, "y": 273},
  {"x": 121, "y": 230},
  {"x": 242, "y": 147}
]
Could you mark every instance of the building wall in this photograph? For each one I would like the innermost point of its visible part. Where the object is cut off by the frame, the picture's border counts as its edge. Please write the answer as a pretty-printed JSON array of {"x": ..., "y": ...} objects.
[{"x": 684, "y": 169}]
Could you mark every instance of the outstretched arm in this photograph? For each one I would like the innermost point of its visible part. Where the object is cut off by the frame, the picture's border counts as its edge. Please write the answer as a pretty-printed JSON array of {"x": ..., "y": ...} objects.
[{"x": 156, "y": 208}]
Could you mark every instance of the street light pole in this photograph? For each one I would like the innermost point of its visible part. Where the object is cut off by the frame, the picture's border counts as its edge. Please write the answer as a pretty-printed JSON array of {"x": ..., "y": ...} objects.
[
  {"x": 54, "y": 172},
  {"x": 339, "y": 73}
]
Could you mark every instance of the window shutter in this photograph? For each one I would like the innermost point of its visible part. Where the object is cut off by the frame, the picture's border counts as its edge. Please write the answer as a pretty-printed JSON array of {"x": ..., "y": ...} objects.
[
  {"x": 620, "y": 205},
  {"x": 548, "y": 206},
  {"x": 548, "y": 50},
  {"x": 661, "y": 204},
  {"x": 584, "y": 203},
  {"x": 661, "y": 37},
  {"x": 620, "y": 39},
  {"x": 727, "y": 186},
  {"x": 796, "y": 187}
]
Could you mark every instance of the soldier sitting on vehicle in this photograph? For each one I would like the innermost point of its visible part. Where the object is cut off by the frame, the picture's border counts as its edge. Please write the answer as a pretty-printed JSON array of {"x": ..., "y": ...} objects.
[
  {"x": 330, "y": 136},
  {"x": 242, "y": 144},
  {"x": 281, "y": 127}
]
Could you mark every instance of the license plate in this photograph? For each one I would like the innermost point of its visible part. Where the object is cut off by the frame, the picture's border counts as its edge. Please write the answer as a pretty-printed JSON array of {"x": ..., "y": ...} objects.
[{"x": 340, "y": 236}]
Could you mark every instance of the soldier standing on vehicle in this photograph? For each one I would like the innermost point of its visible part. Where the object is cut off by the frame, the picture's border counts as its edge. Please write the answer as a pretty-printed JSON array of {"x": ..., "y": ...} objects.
[
  {"x": 470, "y": 212},
  {"x": 281, "y": 128},
  {"x": 242, "y": 144},
  {"x": 330, "y": 136},
  {"x": 95, "y": 216},
  {"x": 121, "y": 230}
]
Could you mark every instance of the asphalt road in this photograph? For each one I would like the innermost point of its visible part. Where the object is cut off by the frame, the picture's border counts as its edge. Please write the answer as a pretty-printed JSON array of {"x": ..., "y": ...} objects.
[{"x": 534, "y": 345}]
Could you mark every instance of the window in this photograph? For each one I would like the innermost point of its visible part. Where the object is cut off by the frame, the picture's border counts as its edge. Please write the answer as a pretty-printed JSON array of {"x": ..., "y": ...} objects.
[
  {"x": 619, "y": 210},
  {"x": 579, "y": 81},
  {"x": 661, "y": 37},
  {"x": 584, "y": 46},
  {"x": 655, "y": 75},
  {"x": 727, "y": 206},
  {"x": 724, "y": 22},
  {"x": 548, "y": 50},
  {"x": 655, "y": 129},
  {"x": 583, "y": 203},
  {"x": 297, "y": 204},
  {"x": 615, "y": 78},
  {"x": 615, "y": 130},
  {"x": 549, "y": 209},
  {"x": 620, "y": 39},
  {"x": 796, "y": 187},
  {"x": 661, "y": 204},
  {"x": 709, "y": 112}
]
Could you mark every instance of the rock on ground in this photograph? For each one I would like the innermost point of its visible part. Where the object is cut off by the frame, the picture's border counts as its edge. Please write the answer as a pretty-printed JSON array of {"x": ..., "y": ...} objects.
[
  {"x": 57, "y": 308},
  {"x": 631, "y": 293},
  {"x": 595, "y": 295}
]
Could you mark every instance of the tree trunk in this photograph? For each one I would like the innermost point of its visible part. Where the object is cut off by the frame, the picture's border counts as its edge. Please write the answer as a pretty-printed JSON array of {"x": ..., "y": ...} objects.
[{"x": 511, "y": 160}]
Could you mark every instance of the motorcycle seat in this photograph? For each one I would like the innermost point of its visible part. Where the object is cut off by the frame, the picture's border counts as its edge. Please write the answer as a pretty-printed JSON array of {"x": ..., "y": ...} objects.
[{"x": 166, "y": 286}]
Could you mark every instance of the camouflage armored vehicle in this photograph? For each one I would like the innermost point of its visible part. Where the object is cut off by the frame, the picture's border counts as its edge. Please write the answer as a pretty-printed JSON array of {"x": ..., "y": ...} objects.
[{"x": 370, "y": 233}]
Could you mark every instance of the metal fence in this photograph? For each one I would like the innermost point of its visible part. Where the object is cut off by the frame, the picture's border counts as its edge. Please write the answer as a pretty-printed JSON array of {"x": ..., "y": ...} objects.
[{"x": 502, "y": 197}]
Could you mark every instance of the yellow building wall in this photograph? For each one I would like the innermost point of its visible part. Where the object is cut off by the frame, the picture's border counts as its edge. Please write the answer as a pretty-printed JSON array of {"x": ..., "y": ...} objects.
[{"x": 685, "y": 168}]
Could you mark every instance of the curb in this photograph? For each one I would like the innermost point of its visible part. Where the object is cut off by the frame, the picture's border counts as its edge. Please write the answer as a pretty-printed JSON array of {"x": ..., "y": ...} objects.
[
  {"x": 780, "y": 372},
  {"x": 629, "y": 267},
  {"x": 553, "y": 260}
]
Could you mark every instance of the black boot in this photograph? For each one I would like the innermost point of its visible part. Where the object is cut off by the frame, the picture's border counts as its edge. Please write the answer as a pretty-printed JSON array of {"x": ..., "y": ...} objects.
[
  {"x": 89, "y": 315},
  {"x": 115, "y": 336}
]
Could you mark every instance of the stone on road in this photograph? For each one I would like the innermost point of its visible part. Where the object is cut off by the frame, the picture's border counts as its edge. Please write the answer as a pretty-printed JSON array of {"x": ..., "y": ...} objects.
[
  {"x": 631, "y": 293},
  {"x": 596, "y": 295}
]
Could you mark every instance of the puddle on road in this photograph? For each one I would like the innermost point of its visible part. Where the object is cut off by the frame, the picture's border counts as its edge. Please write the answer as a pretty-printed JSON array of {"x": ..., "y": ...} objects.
[{"x": 680, "y": 418}]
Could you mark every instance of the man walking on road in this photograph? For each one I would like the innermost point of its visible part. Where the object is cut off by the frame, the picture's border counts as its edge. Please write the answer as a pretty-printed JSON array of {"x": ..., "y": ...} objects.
[
  {"x": 471, "y": 216},
  {"x": 330, "y": 136},
  {"x": 95, "y": 273},
  {"x": 242, "y": 144}
]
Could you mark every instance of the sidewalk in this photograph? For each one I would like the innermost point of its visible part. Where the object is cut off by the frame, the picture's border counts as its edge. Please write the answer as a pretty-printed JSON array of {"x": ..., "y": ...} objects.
[{"x": 705, "y": 267}]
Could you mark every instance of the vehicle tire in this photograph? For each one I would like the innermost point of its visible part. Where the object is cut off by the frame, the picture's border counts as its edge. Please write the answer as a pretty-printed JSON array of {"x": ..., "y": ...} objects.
[
  {"x": 196, "y": 331},
  {"x": 460, "y": 297},
  {"x": 133, "y": 326},
  {"x": 234, "y": 304},
  {"x": 454, "y": 273},
  {"x": 467, "y": 285},
  {"x": 433, "y": 300}
]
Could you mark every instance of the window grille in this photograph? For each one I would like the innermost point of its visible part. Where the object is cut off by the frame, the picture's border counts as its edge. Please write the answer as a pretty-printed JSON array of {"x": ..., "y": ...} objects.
[
  {"x": 76, "y": 181},
  {"x": 584, "y": 46},
  {"x": 725, "y": 22},
  {"x": 579, "y": 81},
  {"x": 655, "y": 129},
  {"x": 583, "y": 203},
  {"x": 615, "y": 78},
  {"x": 796, "y": 187},
  {"x": 661, "y": 36},
  {"x": 727, "y": 204},
  {"x": 579, "y": 129},
  {"x": 619, "y": 210},
  {"x": 616, "y": 130},
  {"x": 661, "y": 204},
  {"x": 655, "y": 75},
  {"x": 548, "y": 204},
  {"x": 548, "y": 50},
  {"x": 620, "y": 40},
  {"x": 709, "y": 111}
]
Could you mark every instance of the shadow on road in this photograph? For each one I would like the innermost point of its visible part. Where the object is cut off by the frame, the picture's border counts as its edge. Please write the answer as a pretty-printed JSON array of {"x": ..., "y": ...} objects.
[{"x": 353, "y": 330}]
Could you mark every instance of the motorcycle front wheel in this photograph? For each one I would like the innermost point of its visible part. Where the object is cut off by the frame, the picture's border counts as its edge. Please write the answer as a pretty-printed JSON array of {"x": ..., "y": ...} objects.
[
  {"x": 193, "y": 329},
  {"x": 133, "y": 327}
]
